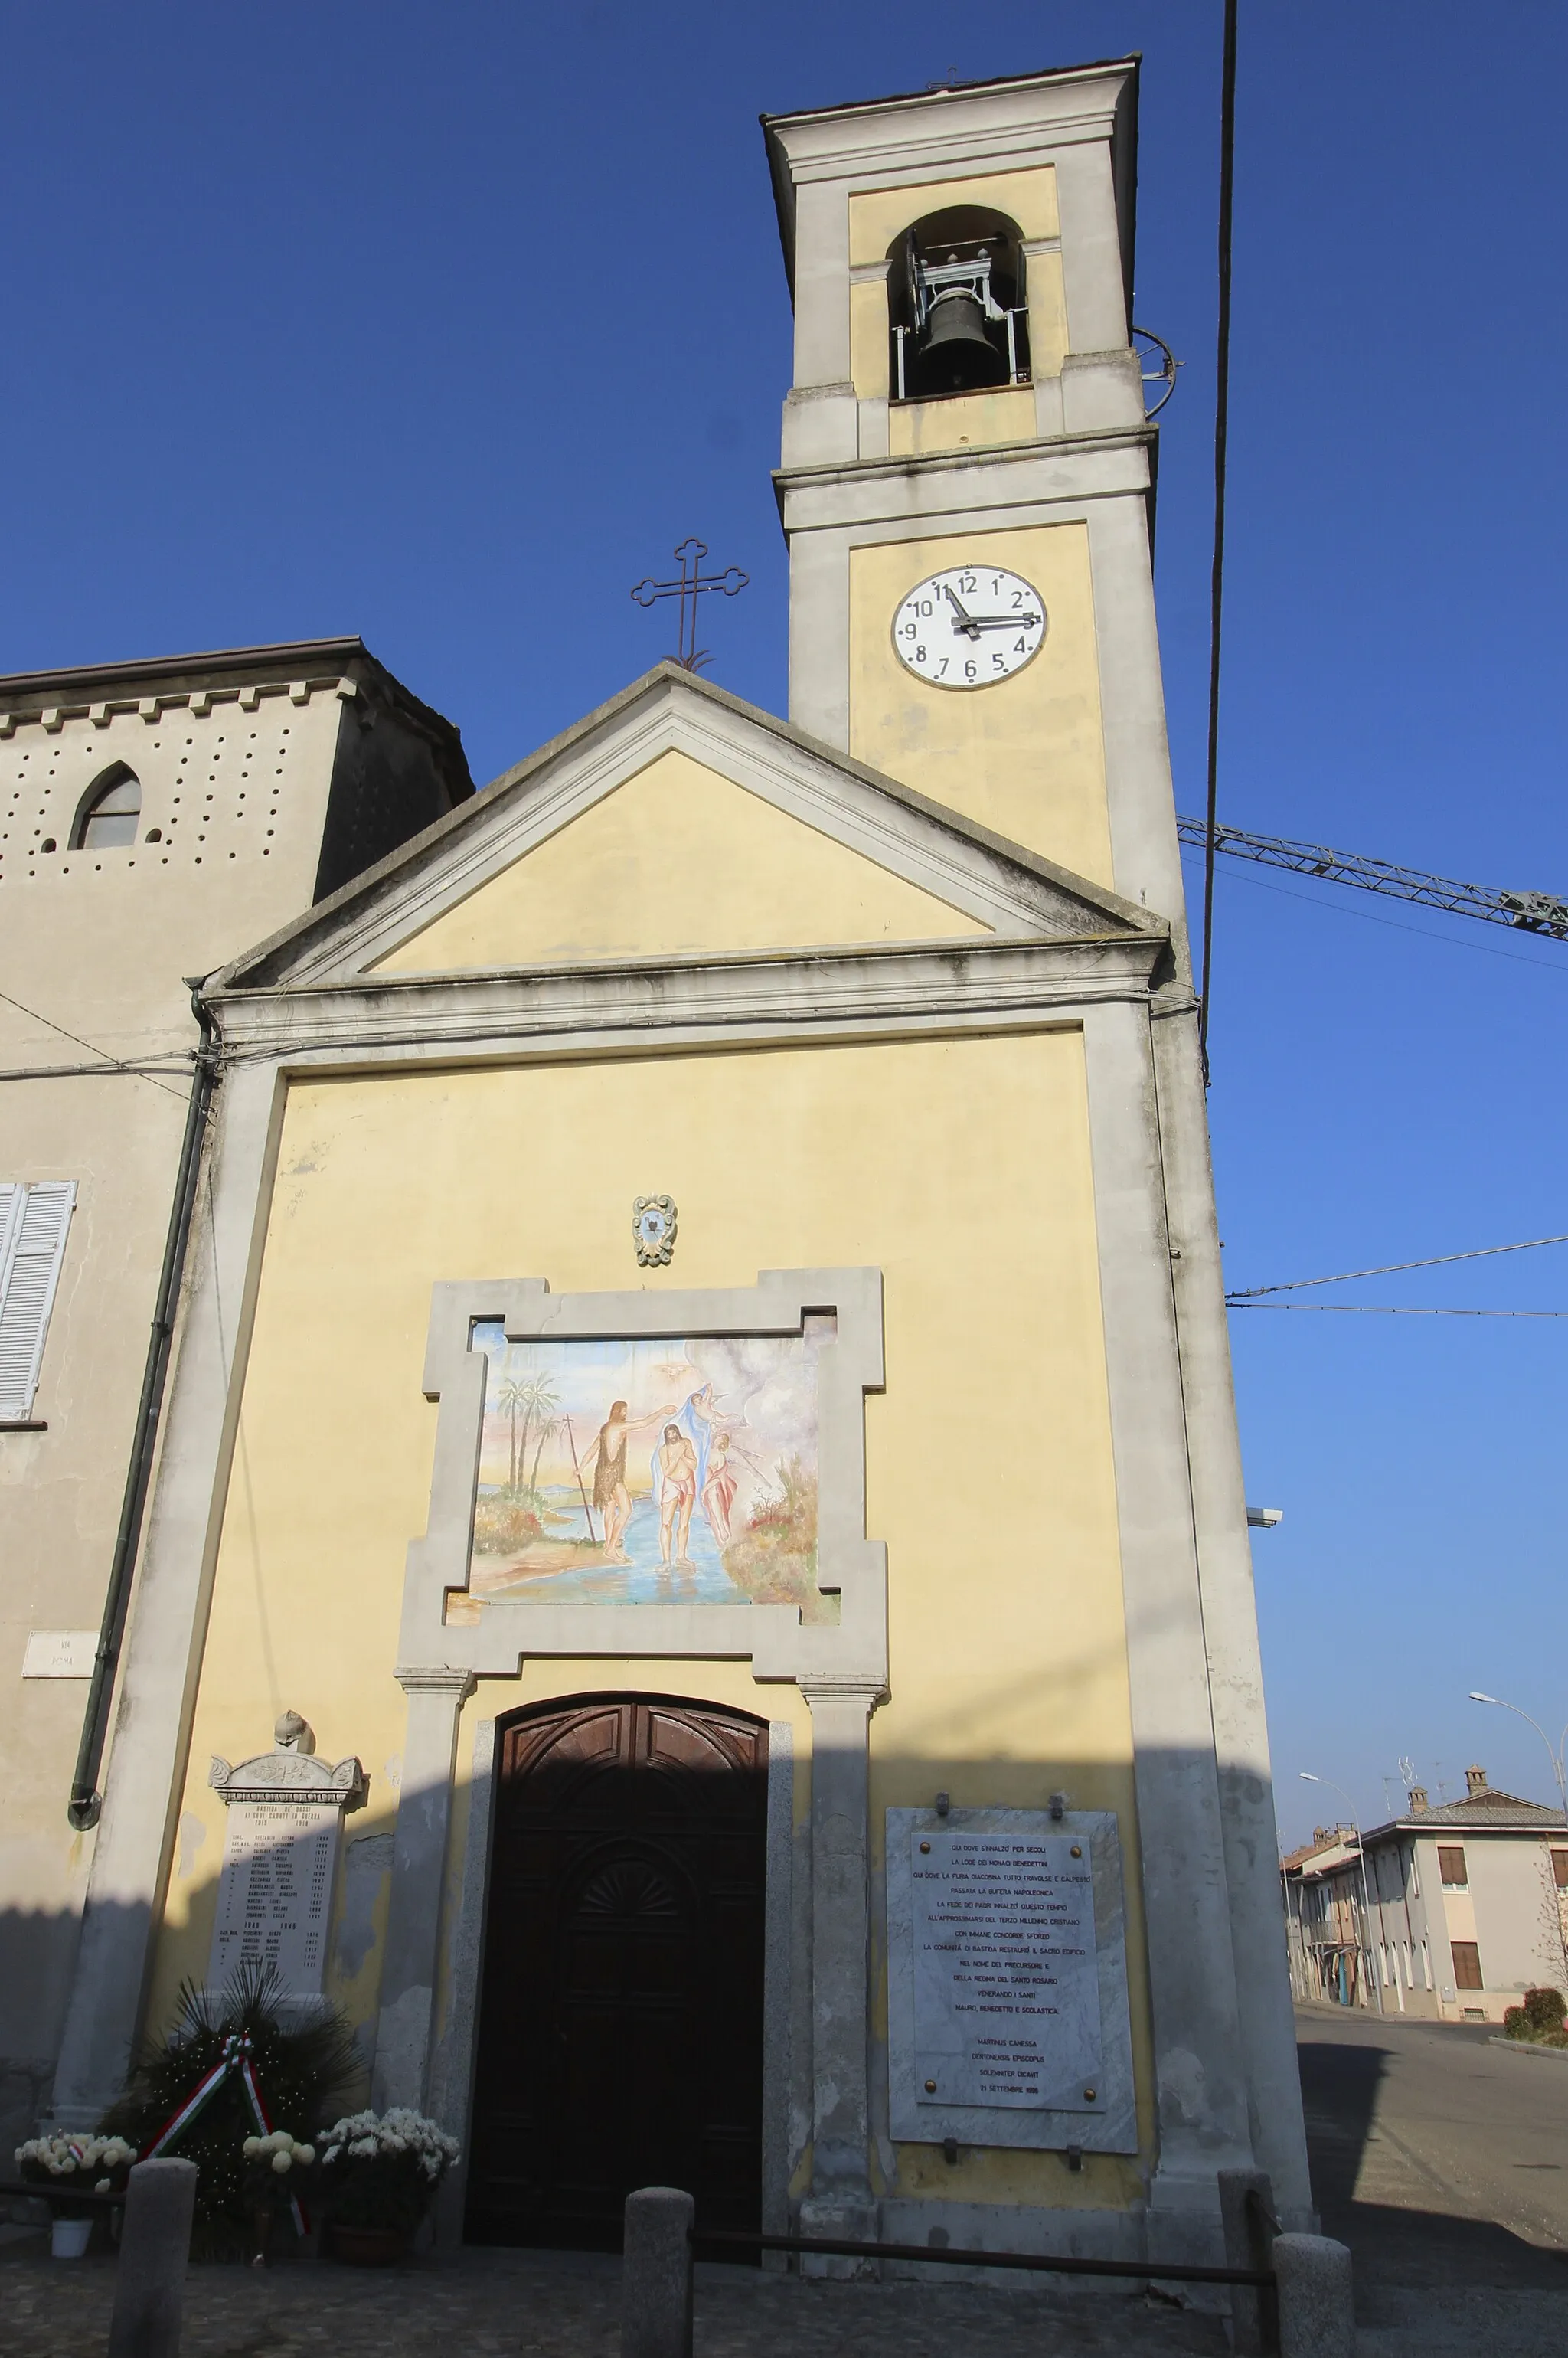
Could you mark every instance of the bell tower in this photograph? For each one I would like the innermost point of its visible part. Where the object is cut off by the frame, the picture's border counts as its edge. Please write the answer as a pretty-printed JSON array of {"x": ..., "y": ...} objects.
[{"x": 967, "y": 407}]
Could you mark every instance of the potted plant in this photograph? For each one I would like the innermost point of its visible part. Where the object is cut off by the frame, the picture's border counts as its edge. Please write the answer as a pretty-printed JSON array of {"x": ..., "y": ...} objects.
[
  {"x": 376, "y": 2178},
  {"x": 57, "y": 2165},
  {"x": 273, "y": 2167}
]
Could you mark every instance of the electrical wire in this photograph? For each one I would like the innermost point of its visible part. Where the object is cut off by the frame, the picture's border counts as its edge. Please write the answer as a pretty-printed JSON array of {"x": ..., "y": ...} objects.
[
  {"x": 1221, "y": 431},
  {"x": 1395, "y": 1268},
  {"x": 138, "y": 1068},
  {"x": 1392, "y": 1310},
  {"x": 50, "y": 1025}
]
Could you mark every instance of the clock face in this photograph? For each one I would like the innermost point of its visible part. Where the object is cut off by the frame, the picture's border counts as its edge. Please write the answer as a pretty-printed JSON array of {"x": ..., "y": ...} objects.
[{"x": 969, "y": 626}]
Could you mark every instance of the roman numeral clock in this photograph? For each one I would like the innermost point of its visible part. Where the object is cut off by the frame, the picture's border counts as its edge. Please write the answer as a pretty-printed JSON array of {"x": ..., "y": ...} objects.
[{"x": 969, "y": 626}]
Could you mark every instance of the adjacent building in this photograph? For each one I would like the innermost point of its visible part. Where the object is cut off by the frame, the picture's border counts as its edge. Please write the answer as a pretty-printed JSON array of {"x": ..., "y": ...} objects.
[
  {"x": 1463, "y": 1908},
  {"x": 153, "y": 817}
]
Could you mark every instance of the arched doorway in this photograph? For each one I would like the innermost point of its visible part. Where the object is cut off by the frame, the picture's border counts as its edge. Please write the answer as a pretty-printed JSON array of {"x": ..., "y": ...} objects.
[{"x": 621, "y": 2015}]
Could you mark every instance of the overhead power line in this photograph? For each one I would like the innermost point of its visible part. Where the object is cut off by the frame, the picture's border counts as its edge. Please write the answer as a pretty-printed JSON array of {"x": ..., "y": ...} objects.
[
  {"x": 1392, "y": 1310},
  {"x": 1528, "y": 912},
  {"x": 1221, "y": 431},
  {"x": 1394, "y": 1268}
]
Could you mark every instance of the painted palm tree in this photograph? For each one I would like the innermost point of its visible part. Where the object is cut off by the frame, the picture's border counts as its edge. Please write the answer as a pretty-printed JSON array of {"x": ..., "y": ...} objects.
[
  {"x": 512, "y": 1395},
  {"x": 545, "y": 1406}
]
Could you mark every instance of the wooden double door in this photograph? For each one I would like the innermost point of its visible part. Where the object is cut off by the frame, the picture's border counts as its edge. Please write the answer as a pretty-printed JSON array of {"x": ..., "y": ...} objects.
[{"x": 621, "y": 2020}]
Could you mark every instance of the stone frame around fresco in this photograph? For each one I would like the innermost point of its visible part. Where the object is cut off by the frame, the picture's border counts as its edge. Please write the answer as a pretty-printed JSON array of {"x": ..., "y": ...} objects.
[
  {"x": 772, "y": 1637},
  {"x": 1113, "y": 2131}
]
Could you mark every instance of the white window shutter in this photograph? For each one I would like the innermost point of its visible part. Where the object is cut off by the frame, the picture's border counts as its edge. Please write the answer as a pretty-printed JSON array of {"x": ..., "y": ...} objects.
[{"x": 32, "y": 1228}]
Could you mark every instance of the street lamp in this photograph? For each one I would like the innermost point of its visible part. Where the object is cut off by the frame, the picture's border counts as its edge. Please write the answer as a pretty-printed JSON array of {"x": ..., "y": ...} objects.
[
  {"x": 1361, "y": 1855},
  {"x": 1555, "y": 1757},
  {"x": 1556, "y": 1760}
]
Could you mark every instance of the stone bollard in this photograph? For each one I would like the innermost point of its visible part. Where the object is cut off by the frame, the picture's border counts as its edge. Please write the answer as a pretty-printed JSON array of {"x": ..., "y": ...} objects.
[
  {"x": 1317, "y": 2314},
  {"x": 655, "y": 2274},
  {"x": 1246, "y": 2205},
  {"x": 154, "y": 2248}
]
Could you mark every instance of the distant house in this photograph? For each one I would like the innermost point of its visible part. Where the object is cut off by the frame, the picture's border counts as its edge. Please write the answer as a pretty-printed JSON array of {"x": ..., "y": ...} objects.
[{"x": 1464, "y": 1907}]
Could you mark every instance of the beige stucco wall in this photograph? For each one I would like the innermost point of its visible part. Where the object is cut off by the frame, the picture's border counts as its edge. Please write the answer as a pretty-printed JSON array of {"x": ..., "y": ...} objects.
[
  {"x": 1024, "y": 755},
  {"x": 1009, "y": 1674},
  {"x": 97, "y": 944},
  {"x": 677, "y": 860}
]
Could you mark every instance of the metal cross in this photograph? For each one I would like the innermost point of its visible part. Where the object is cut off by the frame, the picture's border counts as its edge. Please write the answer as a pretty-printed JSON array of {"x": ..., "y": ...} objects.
[{"x": 693, "y": 582}]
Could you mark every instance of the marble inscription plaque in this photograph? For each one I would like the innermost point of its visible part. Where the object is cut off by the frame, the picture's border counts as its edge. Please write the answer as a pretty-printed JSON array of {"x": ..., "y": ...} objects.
[
  {"x": 1005, "y": 1972},
  {"x": 276, "y": 1890}
]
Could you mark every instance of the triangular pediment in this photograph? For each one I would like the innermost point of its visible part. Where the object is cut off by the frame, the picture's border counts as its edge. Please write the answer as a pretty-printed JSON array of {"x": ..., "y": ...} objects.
[
  {"x": 677, "y": 862},
  {"x": 674, "y": 823}
]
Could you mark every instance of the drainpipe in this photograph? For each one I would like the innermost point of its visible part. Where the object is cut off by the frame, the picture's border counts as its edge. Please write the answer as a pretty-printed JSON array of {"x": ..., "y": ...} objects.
[{"x": 86, "y": 1804}]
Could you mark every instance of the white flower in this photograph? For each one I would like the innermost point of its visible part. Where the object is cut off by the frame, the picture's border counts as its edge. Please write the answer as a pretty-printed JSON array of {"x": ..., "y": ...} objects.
[
  {"x": 251, "y": 2147},
  {"x": 306, "y": 2154},
  {"x": 101, "y": 2187},
  {"x": 281, "y": 2162}
]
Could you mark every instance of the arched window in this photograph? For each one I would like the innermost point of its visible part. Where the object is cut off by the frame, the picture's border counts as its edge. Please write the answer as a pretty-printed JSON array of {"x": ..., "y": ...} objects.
[
  {"x": 956, "y": 305},
  {"x": 109, "y": 812}
]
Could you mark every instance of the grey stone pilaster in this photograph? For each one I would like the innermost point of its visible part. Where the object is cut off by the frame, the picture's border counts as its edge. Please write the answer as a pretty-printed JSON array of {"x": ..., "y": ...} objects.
[
  {"x": 436, "y": 1695},
  {"x": 840, "y": 2199},
  {"x": 1267, "y": 2027},
  {"x": 1201, "y": 2091}
]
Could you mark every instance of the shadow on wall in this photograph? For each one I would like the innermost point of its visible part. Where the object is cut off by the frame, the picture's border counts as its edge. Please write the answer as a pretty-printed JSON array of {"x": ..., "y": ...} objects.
[{"x": 37, "y": 1960}]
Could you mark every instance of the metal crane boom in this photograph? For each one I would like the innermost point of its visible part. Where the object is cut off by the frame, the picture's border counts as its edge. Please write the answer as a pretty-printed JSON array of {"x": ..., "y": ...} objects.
[{"x": 1536, "y": 913}]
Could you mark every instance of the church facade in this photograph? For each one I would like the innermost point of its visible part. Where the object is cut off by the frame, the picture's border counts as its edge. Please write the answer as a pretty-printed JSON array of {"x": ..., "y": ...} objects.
[{"x": 698, "y": 1575}]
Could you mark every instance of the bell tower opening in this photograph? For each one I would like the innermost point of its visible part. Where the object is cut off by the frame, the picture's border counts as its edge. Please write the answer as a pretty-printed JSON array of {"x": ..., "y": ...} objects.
[{"x": 956, "y": 311}]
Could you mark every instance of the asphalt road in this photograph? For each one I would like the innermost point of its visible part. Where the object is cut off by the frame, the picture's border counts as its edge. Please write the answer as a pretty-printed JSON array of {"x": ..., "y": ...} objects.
[{"x": 1443, "y": 2161}]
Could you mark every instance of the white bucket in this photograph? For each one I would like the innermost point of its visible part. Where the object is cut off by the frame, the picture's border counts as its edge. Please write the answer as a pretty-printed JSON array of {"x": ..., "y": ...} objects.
[{"x": 69, "y": 2238}]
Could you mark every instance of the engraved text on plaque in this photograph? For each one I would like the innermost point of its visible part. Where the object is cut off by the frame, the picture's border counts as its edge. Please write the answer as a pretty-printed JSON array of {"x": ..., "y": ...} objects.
[
  {"x": 1005, "y": 1972},
  {"x": 275, "y": 1889}
]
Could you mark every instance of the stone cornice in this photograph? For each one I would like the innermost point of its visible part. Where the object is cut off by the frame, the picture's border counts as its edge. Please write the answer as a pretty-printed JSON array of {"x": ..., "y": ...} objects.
[
  {"x": 52, "y": 716},
  {"x": 681, "y": 1001},
  {"x": 1091, "y": 463}
]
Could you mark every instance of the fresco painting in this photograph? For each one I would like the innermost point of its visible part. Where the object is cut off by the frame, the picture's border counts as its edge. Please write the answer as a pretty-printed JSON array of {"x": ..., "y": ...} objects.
[{"x": 649, "y": 1472}]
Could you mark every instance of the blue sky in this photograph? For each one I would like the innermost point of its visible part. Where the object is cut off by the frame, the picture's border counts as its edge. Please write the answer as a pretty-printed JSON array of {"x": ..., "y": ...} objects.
[{"x": 445, "y": 325}]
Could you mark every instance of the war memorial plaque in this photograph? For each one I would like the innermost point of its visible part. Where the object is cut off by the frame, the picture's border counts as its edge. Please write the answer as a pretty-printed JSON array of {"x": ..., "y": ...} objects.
[
  {"x": 280, "y": 1854},
  {"x": 1007, "y": 1979},
  {"x": 275, "y": 1889}
]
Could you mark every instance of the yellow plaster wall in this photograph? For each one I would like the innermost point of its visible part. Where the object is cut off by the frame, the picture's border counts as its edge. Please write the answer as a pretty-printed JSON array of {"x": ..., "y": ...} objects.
[
  {"x": 973, "y": 420},
  {"x": 1025, "y": 756},
  {"x": 677, "y": 860},
  {"x": 878, "y": 215},
  {"x": 989, "y": 1471}
]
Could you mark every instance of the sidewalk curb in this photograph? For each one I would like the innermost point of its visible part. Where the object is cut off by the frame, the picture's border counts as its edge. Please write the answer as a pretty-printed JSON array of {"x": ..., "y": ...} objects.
[{"x": 1528, "y": 2047}]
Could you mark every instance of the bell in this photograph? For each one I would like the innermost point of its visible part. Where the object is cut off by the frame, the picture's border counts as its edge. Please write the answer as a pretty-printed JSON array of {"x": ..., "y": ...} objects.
[{"x": 956, "y": 355}]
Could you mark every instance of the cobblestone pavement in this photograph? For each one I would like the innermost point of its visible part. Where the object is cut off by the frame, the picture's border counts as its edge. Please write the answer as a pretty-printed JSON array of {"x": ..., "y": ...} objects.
[{"x": 526, "y": 2305}]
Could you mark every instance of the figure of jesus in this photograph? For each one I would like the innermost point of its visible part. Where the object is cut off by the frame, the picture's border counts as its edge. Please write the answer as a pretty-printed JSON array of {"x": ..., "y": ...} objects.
[
  {"x": 677, "y": 1497},
  {"x": 606, "y": 1456}
]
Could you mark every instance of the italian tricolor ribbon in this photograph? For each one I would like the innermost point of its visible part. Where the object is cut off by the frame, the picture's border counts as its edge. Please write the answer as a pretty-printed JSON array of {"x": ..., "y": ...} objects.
[{"x": 235, "y": 2057}]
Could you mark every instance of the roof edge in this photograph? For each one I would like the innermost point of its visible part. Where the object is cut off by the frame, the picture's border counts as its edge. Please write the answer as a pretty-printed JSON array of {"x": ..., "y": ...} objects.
[
  {"x": 217, "y": 659},
  {"x": 670, "y": 676}
]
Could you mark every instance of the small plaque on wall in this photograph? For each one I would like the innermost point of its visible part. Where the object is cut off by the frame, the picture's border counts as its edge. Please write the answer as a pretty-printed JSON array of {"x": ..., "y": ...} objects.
[
  {"x": 60, "y": 1653},
  {"x": 1008, "y": 2021}
]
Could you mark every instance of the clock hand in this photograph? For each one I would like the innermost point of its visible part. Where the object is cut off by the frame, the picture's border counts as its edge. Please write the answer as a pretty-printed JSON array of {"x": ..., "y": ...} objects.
[
  {"x": 966, "y": 621},
  {"x": 1001, "y": 622}
]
